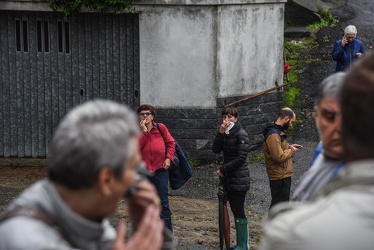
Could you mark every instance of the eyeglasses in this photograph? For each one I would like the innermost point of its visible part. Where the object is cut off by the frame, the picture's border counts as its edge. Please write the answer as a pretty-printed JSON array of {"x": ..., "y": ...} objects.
[
  {"x": 349, "y": 37},
  {"x": 145, "y": 113}
]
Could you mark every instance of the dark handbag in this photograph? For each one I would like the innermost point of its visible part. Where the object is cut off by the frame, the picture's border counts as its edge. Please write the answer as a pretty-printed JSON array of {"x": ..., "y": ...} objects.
[{"x": 180, "y": 170}]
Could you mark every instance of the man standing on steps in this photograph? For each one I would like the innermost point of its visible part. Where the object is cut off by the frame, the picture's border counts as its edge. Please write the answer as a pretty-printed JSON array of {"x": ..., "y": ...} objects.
[{"x": 278, "y": 156}]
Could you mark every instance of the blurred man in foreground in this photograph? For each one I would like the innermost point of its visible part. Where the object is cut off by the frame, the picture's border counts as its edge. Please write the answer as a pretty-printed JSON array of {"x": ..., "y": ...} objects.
[
  {"x": 328, "y": 121},
  {"x": 93, "y": 161}
]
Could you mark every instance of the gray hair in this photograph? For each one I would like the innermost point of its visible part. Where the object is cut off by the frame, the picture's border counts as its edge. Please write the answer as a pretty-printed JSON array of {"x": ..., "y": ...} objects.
[
  {"x": 94, "y": 135},
  {"x": 330, "y": 88},
  {"x": 350, "y": 29}
]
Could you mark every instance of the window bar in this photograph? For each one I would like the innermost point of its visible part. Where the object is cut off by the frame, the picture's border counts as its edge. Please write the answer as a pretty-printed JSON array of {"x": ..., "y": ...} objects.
[
  {"x": 67, "y": 37},
  {"x": 25, "y": 36},
  {"x": 46, "y": 36},
  {"x": 59, "y": 37},
  {"x": 18, "y": 35},
  {"x": 39, "y": 35}
]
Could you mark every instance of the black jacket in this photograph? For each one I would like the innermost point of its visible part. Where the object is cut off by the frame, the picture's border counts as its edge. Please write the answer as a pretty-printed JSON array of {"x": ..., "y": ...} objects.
[{"x": 235, "y": 147}]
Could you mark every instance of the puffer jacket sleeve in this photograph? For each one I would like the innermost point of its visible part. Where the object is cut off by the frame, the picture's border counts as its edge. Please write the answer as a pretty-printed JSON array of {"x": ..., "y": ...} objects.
[
  {"x": 218, "y": 143},
  {"x": 242, "y": 147},
  {"x": 277, "y": 153}
]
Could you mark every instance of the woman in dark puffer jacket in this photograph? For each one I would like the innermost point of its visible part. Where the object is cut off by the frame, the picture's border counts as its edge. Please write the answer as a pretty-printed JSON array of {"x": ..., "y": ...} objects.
[{"x": 234, "y": 142}]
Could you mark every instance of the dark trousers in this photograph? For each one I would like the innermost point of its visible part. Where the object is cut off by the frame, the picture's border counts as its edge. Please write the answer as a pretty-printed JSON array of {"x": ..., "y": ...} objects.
[
  {"x": 280, "y": 190},
  {"x": 161, "y": 181},
  {"x": 236, "y": 200}
]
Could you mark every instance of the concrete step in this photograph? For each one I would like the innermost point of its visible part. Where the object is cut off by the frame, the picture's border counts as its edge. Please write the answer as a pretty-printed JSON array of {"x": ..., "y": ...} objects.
[{"x": 296, "y": 32}]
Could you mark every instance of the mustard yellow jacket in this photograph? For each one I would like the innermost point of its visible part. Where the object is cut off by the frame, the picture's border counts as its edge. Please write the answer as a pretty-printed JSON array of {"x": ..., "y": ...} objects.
[{"x": 278, "y": 153}]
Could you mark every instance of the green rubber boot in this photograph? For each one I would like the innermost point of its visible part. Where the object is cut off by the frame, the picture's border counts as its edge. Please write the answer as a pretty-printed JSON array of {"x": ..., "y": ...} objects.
[{"x": 242, "y": 235}]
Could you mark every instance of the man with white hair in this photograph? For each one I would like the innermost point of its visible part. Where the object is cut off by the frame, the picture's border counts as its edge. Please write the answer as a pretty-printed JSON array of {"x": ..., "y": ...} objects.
[{"x": 347, "y": 49}]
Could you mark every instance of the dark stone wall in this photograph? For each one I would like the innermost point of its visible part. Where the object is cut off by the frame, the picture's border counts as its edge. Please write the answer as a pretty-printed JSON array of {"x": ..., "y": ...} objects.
[
  {"x": 297, "y": 15},
  {"x": 195, "y": 129}
]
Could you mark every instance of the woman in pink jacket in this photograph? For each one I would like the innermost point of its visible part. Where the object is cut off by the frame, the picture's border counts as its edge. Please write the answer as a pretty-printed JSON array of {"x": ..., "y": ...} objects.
[{"x": 158, "y": 149}]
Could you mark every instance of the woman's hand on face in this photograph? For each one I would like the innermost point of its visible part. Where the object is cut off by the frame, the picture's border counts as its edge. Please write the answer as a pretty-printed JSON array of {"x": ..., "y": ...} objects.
[
  {"x": 166, "y": 164},
  {"x": 224, "y": 126},
  {"x": 143, "y": 126}
]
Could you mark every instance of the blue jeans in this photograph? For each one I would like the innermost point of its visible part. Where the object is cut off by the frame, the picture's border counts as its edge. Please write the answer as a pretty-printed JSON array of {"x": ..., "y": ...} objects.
[{"x": 161, "y": 181}]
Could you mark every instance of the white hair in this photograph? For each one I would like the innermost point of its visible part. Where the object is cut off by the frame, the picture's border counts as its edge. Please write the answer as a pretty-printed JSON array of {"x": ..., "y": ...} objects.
[{"x": 350, "y": 29}]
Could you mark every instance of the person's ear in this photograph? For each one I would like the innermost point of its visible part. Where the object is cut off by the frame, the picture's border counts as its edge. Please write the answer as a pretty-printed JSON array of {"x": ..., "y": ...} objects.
[{"x": 105, "y": 180}]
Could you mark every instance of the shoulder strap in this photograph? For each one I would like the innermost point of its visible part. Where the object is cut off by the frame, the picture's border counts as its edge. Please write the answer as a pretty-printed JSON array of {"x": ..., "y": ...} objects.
[
  {"x": 35, "y": 213},
  {"x": 159, "y": 130}
]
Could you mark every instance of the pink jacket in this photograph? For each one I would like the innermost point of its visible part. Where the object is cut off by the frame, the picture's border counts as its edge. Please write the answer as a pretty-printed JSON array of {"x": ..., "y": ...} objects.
[{"x": 154, "y": 148}]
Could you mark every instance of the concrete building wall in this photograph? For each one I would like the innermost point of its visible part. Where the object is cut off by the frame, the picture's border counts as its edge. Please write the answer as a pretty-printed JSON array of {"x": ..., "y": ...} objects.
[
  {"x": 178, "y": 51},
  {"x": 250, "y": 48},
  {"x": 192, "y": 53},
  {"x": 198, "y": 55}
]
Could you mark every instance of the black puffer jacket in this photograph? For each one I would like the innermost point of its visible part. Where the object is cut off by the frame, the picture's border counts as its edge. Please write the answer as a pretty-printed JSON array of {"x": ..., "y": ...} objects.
[{"x": 235, "y": 147}]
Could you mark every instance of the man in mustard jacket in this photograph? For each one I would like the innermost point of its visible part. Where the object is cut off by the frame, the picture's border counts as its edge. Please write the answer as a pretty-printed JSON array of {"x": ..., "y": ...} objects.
[{"x": 278, "y": 156}]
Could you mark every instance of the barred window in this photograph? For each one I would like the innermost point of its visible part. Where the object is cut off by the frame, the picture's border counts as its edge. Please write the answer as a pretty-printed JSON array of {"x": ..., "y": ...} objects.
[
  {"x": 42, "y": 35},
  {"x": 22, "y": 35},
  {"x": 63, "y": 37}
]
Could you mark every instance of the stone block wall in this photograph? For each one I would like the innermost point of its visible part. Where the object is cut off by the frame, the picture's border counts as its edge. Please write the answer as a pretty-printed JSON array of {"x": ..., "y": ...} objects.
[{"x": 195, "y": 129}]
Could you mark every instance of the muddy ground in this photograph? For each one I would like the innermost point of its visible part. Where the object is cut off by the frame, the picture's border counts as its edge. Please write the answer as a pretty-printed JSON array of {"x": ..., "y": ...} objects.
[{"x": 194, "y": 206}]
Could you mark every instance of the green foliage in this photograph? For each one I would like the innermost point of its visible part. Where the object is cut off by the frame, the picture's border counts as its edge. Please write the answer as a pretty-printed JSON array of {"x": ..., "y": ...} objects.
[
  {"x": 255, "y": 157},
  {"x": 326, "y": 39},
  {"x": 326, "y": 20},
  {"x": 293, "y": 49},
  {"x": 290, "y": 95},
  {"x": 72, "y": 7},
  {"x": 193, "y": 162},
  {"x": 287, "y": 23},
  {"x": 291, "y": 91}
]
